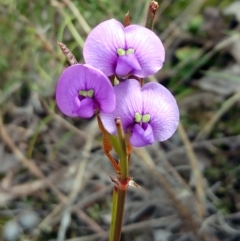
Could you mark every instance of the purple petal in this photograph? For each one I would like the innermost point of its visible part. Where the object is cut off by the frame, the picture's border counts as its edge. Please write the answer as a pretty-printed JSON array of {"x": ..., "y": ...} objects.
[
  {"x": 76, "y": 105},
  {"x": 127, "y": 63},
  {"x": 123, "y": 68},
  {"x": 128, "y": 102},
  {"x": 67, "y": 89},
  {"x": 141, "y": 137},
  {"x": 148, "y": 49},
  {"x": 162, "y": 107},
  {"x": 83, "y": 77},
  {"x": 87, "y": 108},
  {"x": 103, "y": 90},
  {"x": 100, "y": 48}
]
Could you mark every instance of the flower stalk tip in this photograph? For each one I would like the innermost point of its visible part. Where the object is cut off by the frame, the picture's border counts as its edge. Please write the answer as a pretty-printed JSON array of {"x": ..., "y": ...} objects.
[
  {"x": 127, "y": 19},
  {"x": 152, "y": 9}
]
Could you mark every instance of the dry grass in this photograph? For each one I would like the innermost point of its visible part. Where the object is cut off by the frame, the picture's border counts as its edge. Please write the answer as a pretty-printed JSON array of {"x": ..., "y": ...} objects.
[{"x": 55, "y": 166}]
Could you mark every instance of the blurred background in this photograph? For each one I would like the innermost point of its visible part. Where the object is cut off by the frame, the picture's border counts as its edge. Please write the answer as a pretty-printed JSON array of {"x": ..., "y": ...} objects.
[{"x": 54, "y": 177}]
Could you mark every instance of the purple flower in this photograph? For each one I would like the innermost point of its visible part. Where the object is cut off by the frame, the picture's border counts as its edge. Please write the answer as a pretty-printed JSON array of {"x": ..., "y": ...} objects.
[
  {"x": 121, "y": 51},
  {"x": 83, "y": 89},
  {"x": 149, "y": 113}
]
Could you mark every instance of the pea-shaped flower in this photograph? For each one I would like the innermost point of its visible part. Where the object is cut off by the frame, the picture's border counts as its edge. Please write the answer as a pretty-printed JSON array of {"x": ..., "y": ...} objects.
[
  {"x": 82, "y": 89},
  {"x": 124, "y": 51},
  {"x": 150, "y": 113}
]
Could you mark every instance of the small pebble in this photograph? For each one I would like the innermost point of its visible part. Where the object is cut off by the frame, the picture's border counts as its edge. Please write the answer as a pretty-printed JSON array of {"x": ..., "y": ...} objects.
[
  {"x": 11, "y": 231},
  {"x": 161, "y": 235},
  {"x": 28, "y": 220}
]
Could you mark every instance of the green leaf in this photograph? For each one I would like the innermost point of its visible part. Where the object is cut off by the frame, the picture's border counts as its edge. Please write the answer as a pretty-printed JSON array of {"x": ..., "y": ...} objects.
[
  {"x": 186, "y": 53},
  {"x": 115, "y": 144}
]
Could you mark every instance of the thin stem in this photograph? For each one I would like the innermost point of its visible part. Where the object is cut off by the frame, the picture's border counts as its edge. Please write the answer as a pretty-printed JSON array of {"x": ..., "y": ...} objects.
[
  {"x": 123, "y": 157},
  {"x": 114, "y": 213},
  {"x": 153, "y": 6},
  {"x": 195, "y": 169},
  {"x": 120, "y": 190},
  {"x": 117, "y": 214}
]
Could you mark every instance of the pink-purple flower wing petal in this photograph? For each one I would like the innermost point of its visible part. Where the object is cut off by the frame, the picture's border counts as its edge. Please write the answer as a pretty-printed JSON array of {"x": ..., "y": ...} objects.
[
  {"x": 68, "y": 85},
  {"x": 128, "y": 102},
  {"x": 148, "y": 49},
  {"x": 162, "y": 107},
  {"x": 100, "y": 48},
  {"x": 103, "y": 90}
]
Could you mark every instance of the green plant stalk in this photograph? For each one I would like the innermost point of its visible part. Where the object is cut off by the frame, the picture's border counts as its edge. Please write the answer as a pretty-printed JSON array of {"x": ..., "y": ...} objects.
[
  {"x": 117, "y": 214},
  {"x": 114, "y": 212},
  {"x": 153, "y": 6},
  {"x": 32, "y": 142},
  {"x": 123, "y": 151},
  {"x": 119, "y": 193},
  {"x": 150, "y": 22}
]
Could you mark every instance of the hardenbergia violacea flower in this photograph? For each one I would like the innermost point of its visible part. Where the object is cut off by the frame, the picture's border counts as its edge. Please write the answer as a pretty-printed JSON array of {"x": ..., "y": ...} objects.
[
  {"x": 82, "y": 90},
  {"x": 150, "y": 113},
  {"x": 123, "y": 51}
]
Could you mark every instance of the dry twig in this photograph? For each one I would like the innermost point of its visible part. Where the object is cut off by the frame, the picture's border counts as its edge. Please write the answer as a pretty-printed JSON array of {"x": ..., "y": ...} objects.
[{"x": 195, "y": 169}]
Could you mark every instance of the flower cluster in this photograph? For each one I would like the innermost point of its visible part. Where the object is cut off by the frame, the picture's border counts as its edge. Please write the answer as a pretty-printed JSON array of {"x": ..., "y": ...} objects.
[{"x": 147, "y": 112}]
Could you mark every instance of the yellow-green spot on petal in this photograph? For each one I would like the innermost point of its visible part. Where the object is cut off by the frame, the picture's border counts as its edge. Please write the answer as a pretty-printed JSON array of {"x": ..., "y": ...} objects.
[
  {"x": 130, "y": 51},
  {"x": 138, "y": 117},
  {"x": 146, "y": 118},
  {"x": 90, "y": 93},
  {"x": 83, "y": 93},
  {"x": 120, "y": 52}
]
